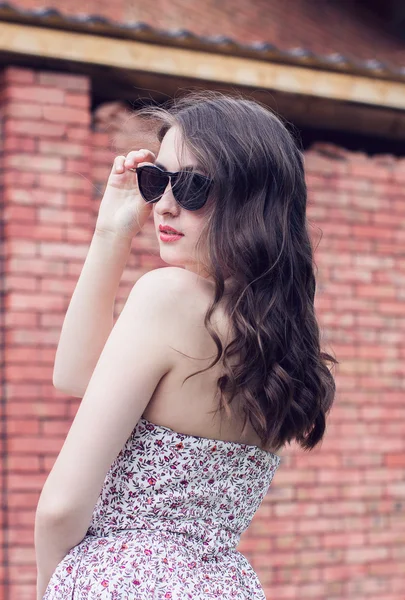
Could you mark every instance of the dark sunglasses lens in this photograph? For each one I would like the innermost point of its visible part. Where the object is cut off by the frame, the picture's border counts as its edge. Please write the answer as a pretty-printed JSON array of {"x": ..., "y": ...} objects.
[
  {"x": 152, "y": 183},
  {"x": 191, "y": 190}
]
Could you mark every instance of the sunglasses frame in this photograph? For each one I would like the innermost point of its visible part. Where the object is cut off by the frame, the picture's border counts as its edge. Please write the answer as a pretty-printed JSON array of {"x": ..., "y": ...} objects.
[{"x": 169, "y": 175}]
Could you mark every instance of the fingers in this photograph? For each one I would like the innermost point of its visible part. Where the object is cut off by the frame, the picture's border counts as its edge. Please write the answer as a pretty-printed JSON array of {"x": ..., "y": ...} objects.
[
  {"x": 132, "y": 159},
  {"x": 118, "y": 166},
  {"x": 136, "y": 156}
]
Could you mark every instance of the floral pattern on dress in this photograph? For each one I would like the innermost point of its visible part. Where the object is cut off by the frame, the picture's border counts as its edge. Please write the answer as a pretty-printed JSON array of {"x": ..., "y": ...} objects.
[{"x": 167, "y": 522}]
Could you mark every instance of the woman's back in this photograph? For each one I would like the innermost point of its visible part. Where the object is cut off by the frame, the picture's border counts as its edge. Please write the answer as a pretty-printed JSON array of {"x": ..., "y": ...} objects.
[{"x": 186, "y": 408}]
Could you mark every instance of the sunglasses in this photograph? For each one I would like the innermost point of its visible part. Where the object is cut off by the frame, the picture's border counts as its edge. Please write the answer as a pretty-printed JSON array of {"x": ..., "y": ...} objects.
[{"x": 189, "y": 189}]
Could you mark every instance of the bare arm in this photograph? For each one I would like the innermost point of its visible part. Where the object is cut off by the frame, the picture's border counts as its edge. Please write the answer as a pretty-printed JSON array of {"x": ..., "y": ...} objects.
[
  {"x": 89, "y": 318},
  {"x": 52, "y": 542},
  {"x": 134, "y": 359}
]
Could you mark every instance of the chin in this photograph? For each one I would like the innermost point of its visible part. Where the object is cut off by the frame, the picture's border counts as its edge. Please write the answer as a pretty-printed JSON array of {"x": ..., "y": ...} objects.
[{"x": 172, "y": 261}]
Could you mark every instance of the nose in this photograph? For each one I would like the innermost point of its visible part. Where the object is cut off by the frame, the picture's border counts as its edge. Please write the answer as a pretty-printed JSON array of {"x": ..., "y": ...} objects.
[{"x": 167, "y": 202}]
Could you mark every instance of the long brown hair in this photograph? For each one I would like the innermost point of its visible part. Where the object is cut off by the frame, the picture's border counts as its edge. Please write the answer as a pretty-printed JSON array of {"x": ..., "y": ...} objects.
[{"x": 257, "y": 233}]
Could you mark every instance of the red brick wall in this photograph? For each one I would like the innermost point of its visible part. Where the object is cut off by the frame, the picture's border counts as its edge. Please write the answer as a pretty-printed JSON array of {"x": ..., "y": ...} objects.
[
  {"x": 47, "y": 215},
  {"x": 332, "y": 526}
]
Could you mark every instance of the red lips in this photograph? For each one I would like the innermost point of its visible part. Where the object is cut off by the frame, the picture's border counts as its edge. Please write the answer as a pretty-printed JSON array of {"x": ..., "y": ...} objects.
[{"x": 169, "y": 229}]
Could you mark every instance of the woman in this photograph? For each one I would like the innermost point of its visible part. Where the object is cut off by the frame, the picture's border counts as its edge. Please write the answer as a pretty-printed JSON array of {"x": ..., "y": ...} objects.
[{"x": 213, "y": 365}]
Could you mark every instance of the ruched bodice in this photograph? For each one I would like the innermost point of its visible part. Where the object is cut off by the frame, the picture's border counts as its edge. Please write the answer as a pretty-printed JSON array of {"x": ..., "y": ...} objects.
[{"x": 168, "y": 519}]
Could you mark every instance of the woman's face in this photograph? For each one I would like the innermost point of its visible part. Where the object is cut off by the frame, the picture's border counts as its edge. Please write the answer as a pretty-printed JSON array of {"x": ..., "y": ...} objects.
[{"x": 167, "y": 211}]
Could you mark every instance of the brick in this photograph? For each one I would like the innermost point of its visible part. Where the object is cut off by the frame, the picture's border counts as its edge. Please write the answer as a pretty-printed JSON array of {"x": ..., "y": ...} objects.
[
  {"x": 27, "y": 500},
  {"x": 101, "y": 139},
  {"x": 32, "y": 301},
  {"x": 314, "y": 181},
  {"x": 39, "y": 232},
  {"x": 366, "y": 555},
  {"x": 352, "y": 275},
  {"x": 66, "y": 114},
  {"x": 78, "y": 201},
  {"x": 23, "y": 464},
  {"x": 78, "y": 235},
  {"x": 34, "y": 128},
  {"x": 343, "y": 508},
  {"x": 103, "y": 155},
  {"x": 30, "y": 162},
  {"x": 367, "y": 203},
  {"x": 20, "y": 482},
  {"x": 395, "y": 459},
  {"x": 79, "y": 134},
  {"x": 23, "y": 444},
  {"x": 374, "y": 262},
  {"x": 36, "y": 408},
  {"x": 23, "y": 517},
  {"x": 23, "y": 110},
  {"x": 18, "y": 213},
  {"x": 55, "y": 215},
  {"x": 357, "y": 305},
  {"x": 65, "y": 81},
  {"x": 341, "y": 230},
  {"x": 31, "y": 372},
  {"x": 296, "y": 509},
  {"x": 376, "y": 352},
  {"x": 61, "y": 148},
  {"x": 11, "y": 176},
  {"x": 397, "y": 205},
  {"x": 40, "y": 94},
  {"x": 25, "y": 336},
  {"x": 64, "y": 181},
  {"x": 380, "y": 233},
  {"x": 20, "y": 320},
  {"x": 64, "y": 250},
  {"x": 55, "y": 428},
  {"x": 22, "y": 426},
  {"x": 19, "y": 195},
  {"x": 36, "y": 266},
  {"x": 14, "y": 143},
  {"x": 78, "y": 100},
  {"x": 392, "y": 308},
  {"x": 357, "y": 185},
  {"x": 22, "y": 355},
  {"x": 42, "y": 197},
  {"x": 78, "y": 166},
  {"x": 23, "y": 536},
  {"x": 21, "y": 556},
  {"x": 371, "y": 170},
  {"x": 387, "y": 248},
  {"x": 388, "y": 220},
  {"x": 18, "y": 75},
  {"x": 65, "y": 286},
  {"x": 316, "y": 163}
]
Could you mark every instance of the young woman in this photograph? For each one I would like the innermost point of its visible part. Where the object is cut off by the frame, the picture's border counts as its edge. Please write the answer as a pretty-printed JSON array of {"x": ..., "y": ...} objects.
[{"x": 213, "y": 365}]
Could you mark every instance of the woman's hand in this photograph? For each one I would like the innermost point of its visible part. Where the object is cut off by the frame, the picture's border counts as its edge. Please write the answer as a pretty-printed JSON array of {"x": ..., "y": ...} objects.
[{"x": 123, "y": 212}]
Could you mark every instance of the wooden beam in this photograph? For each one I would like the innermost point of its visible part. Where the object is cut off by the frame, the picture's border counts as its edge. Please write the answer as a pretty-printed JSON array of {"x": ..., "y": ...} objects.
[{"x": 138, "y": 56}]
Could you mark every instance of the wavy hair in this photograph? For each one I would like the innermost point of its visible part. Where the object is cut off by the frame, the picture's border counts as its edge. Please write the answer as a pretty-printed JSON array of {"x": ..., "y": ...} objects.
[{"x": 256, "y": 232}]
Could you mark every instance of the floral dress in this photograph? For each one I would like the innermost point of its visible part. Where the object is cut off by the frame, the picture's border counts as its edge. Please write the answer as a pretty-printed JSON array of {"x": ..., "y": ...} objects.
[{"x": 167, "y": 522}]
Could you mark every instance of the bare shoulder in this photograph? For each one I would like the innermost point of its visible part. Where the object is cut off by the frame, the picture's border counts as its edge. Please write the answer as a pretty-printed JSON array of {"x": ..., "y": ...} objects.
[
  {"x": 175, "y": 276},
  {"x": 183, "y": 286},
  {"x": 175, "y": 293},
  {"x": 174, "y": 306}
]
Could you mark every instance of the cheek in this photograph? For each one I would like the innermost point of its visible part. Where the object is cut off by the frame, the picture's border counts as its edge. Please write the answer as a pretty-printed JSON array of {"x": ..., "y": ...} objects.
[{"x": 194, "y": 225}]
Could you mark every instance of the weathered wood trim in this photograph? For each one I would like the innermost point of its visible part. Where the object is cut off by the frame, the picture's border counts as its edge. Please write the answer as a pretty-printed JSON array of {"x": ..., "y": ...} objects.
[{"x": 134, "y": 55}]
